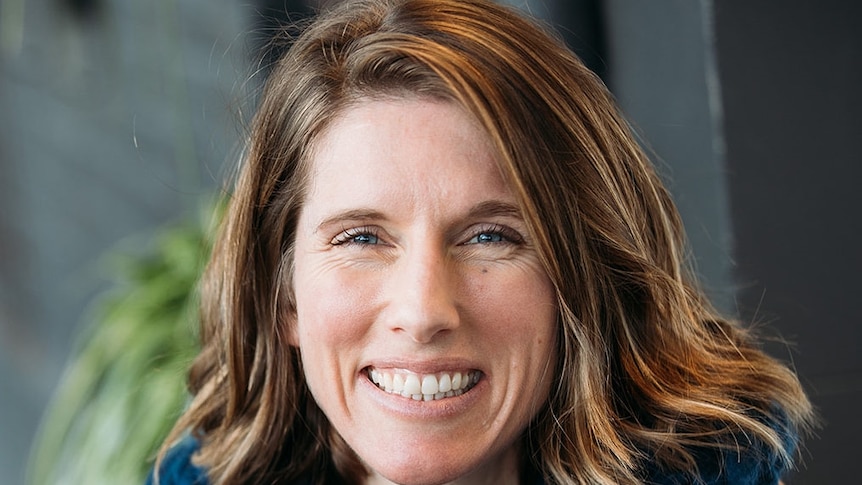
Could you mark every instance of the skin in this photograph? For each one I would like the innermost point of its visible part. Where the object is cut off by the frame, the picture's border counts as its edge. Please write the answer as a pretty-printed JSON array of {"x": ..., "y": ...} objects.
[{"x": 412, "y": 257}]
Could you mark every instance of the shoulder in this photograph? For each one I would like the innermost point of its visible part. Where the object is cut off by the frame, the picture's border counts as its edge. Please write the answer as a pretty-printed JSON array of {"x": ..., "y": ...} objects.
[
  {"x": 748, "y": 461},
  {"x": 745, "y": 466},
  {"x": 177, "y": 467}
]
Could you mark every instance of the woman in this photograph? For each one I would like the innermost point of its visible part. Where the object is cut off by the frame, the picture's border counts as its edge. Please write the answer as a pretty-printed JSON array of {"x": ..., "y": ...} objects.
[{"x": 446, "y": 260}]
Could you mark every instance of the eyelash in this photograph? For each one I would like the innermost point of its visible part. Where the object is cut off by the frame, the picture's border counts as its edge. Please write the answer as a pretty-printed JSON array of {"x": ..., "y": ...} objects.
[
  {"x": 506, "y": 234},
  {"x": 348, "y": 236}
]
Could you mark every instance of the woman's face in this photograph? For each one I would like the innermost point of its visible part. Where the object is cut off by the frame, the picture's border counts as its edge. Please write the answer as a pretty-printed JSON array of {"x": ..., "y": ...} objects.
[{"x": 425, "y": 321}]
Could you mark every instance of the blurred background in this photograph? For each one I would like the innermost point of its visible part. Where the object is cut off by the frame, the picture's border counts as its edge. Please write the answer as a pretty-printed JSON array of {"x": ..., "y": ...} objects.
[{"x": 119, "y": 118}]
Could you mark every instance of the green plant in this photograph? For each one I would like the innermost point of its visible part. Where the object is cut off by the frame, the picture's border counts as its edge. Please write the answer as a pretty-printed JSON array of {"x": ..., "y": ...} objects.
[{"x": 125, "y": 386}]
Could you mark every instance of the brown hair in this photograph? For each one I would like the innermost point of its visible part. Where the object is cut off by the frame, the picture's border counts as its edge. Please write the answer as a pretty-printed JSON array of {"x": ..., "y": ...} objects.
[{"x": 648, "y": 371}]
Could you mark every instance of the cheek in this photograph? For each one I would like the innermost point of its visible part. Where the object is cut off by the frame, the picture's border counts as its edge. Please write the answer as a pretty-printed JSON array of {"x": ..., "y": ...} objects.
[
  {"x": 331, "y": 310},
  {"x": 519, "y": 311},
  {"x": 331, "y": 324}
]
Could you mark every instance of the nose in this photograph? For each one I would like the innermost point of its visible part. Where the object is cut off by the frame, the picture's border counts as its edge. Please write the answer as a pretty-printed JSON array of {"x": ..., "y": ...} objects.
[{"x": 422, "y": 301}]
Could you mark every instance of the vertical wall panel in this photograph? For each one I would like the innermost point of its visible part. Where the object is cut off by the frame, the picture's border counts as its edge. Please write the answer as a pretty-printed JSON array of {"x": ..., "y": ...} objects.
[{"x": 791, "y": 74}]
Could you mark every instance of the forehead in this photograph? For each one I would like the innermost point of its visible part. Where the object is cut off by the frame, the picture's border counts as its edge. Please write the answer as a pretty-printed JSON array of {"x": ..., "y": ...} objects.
[
  {"x": 408, "y": 119},
  {"x": 404, "y": 150}
]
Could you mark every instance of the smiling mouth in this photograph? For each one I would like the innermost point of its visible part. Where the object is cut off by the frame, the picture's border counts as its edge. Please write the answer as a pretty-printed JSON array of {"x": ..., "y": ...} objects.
[{"x": 424, "y": 387}]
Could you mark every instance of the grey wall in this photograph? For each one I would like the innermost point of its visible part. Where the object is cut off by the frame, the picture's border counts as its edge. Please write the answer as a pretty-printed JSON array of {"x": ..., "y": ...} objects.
[
  {"x": 661, "y": 67},
  {"x": 115, "y": 118}
]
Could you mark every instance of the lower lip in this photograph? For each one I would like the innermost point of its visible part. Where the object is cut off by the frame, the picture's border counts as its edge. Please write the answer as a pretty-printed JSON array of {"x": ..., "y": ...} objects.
[{"x": 411, "y": 408}]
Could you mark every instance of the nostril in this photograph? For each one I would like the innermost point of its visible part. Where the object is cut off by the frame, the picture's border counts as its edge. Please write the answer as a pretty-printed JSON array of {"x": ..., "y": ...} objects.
[{"x": 422, "y": 297}]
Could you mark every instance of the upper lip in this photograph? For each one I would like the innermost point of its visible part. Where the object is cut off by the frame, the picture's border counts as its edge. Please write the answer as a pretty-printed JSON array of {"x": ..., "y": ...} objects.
[{"x": 430, "y": 366}]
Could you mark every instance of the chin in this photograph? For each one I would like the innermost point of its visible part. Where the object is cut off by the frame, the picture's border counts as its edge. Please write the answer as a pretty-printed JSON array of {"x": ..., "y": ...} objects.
[
  {"x": 429, "y": 468},
  {"x": 413, "y": 475}
]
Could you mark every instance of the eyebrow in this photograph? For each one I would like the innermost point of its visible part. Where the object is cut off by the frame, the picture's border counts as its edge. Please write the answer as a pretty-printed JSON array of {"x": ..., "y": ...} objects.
[
  {"x": 494, "y": 208},
  {"x": 488, "y": 208},
  {"x": 357, "y": 215}
]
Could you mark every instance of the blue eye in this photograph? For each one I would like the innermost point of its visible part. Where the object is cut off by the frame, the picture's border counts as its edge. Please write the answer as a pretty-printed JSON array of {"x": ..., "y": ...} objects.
[
  {"x": 364, "y": 238},
  {"x": 486, "y": 237},
  {"x": 495, "y": 234}
]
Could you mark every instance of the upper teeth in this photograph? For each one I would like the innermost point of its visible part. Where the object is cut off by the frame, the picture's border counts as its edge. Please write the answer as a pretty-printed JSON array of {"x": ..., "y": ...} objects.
[{"x": 424, "y": 387}]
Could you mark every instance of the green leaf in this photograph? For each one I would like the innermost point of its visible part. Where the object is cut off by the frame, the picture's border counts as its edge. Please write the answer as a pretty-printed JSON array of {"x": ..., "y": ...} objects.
[{"x": 125, "y": 387}]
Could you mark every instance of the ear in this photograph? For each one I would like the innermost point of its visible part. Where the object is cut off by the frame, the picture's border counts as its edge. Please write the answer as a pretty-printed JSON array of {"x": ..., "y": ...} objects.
[
  {"x": 287, "y": 329},
  {"x": 286, "y": 302},
  {"x": 291, "y": 329},
  {"x": 292, "y": 337}
]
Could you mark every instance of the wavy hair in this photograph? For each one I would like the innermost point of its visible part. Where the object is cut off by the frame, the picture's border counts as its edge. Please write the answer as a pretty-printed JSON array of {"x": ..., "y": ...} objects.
[{"x": 648, "y": 370}]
